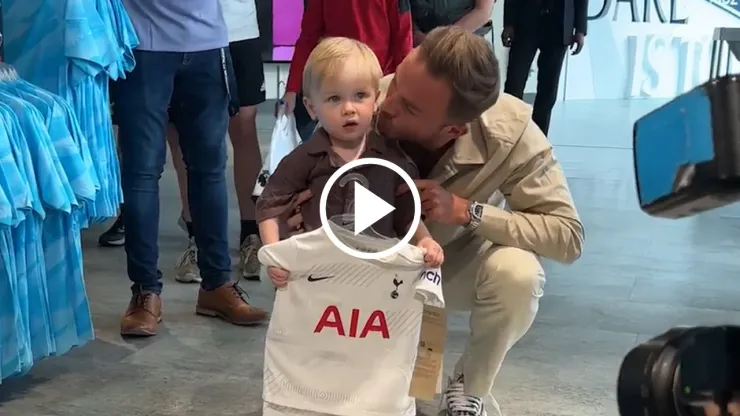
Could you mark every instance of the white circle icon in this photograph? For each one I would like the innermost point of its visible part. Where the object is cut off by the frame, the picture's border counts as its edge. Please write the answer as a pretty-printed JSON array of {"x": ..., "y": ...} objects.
[{"x": 369, "y": 208}]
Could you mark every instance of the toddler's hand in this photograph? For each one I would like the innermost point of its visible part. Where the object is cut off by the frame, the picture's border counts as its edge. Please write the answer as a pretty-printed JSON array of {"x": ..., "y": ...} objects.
[
  {"x": 278, "y": 276},
  {"x": 433, "y": 253}
]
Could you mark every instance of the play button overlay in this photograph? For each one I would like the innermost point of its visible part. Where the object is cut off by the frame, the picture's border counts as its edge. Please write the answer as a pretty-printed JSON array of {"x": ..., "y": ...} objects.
[{"x": 368, "y": 208}]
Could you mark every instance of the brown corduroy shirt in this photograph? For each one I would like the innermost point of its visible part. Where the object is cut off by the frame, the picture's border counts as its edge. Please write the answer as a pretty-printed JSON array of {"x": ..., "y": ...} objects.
[{"x": 311, "y": 164}]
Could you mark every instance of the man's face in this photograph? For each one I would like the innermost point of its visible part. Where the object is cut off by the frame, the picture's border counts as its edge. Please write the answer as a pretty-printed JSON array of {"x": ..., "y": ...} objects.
[{"x": 415, "y": 106}]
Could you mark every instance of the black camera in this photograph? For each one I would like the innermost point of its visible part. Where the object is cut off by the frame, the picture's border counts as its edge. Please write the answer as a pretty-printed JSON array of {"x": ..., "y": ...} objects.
[
  {"x": 682, "y": 372},
  {"x": 687, "y": 160}
]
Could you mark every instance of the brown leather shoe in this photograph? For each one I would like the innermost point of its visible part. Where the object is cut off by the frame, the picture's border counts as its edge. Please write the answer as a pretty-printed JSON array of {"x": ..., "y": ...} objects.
[
  {"x": 229, "y": 302},
  {"x": 143, "y": 315}
]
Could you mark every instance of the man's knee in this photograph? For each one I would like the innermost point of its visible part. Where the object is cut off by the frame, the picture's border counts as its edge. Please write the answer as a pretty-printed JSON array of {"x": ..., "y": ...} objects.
[{"x": 511, "y": 275}]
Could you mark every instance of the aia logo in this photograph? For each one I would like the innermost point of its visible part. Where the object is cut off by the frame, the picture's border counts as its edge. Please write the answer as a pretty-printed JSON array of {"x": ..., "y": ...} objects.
[{"x": 356, "y": 327}]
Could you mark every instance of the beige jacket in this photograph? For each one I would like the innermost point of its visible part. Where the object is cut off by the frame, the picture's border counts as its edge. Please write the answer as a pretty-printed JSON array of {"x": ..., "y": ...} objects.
[{"x": 505, "y": 158}]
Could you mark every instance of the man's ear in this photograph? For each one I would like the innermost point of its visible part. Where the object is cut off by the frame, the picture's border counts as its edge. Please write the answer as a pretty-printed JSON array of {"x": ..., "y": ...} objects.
[
  {"x": 309, "y": 107},
  {"x": 454, "y": 131}
]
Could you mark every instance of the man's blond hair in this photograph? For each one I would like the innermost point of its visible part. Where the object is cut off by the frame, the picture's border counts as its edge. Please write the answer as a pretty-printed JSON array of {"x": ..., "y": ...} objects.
[
  {"x": 468, "y": 63},
  {"x": 336, "y": 55}
]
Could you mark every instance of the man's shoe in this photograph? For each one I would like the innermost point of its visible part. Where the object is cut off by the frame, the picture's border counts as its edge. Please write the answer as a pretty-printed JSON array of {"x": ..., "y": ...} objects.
[
  {"x": 186, "y": 269},
  {"x": 229, "y": 302},
  {"x": 249, "y": 264},
  {"x": 115, "y": 236},
  {"x": 456, "y": 403},
  {"x": 143, "y": 315}
]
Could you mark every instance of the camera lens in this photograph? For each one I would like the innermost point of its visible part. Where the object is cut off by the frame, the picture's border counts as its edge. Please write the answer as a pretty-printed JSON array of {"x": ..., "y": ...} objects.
[{"x": 680, "y": 371}]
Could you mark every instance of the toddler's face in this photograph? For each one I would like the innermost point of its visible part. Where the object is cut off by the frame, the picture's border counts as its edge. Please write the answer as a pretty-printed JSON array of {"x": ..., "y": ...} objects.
[{"x": 344, "y": 106}]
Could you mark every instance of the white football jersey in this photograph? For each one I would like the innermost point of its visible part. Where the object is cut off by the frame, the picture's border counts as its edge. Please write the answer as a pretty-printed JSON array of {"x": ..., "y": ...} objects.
[{"x": 343, "y": 335}]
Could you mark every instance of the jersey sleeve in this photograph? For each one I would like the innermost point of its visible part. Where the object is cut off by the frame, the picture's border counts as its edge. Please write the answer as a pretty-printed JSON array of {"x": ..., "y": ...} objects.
[
  {"x": 429, "y": 288},
  {"x": 282, "y": 254},
  {"x": 300, "y": 252}
]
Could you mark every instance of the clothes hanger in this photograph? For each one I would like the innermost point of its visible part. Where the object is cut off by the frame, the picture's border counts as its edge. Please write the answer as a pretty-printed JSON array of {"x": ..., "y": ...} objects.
[{"x": 7, "y": 72}]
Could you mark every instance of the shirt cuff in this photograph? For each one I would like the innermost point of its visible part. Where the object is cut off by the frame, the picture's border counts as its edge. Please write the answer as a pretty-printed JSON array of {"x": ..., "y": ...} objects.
[{"x": 494, "y": 222}]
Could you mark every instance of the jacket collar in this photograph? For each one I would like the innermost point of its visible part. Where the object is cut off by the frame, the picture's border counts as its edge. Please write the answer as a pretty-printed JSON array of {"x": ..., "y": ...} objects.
[{"x": 320, "y": 144}]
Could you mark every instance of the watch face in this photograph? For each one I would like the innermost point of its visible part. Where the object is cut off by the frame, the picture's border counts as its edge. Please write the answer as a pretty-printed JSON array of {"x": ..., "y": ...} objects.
[{"x": 478, "y": 211}]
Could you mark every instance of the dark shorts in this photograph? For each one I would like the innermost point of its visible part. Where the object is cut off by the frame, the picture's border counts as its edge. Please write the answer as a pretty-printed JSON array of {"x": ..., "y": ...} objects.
[{"x": 249, "y": 72}]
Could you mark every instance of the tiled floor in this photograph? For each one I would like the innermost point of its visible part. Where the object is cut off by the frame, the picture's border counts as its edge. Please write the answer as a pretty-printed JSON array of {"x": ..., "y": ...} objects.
[{"x": 637, "y": 277}]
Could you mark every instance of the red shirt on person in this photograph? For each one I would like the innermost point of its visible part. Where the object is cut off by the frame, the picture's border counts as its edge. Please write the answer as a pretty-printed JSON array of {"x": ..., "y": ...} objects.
[{"x": 384, "y": 25}]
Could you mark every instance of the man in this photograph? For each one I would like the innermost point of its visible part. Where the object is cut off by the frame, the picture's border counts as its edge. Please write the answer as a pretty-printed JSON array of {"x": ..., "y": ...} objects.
[
  {"x": 247, "y": 92},
  {"x": 549, "y": 26},
  {"x": 477, "y": 150},
  {"x": 182, "y": 50},
  {"x": 472, "y": 15}
]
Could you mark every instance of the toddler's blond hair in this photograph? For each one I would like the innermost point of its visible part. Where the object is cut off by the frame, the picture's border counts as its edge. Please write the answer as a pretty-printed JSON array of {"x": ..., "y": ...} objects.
[{"x": 335, "y": 55}]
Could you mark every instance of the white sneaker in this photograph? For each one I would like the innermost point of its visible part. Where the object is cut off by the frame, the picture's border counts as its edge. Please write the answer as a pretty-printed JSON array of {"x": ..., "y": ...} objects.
[
  {"x": 186, "y": 269},
  {"x": 249, "y": 264},
  {"x": 456, "y": 403}
]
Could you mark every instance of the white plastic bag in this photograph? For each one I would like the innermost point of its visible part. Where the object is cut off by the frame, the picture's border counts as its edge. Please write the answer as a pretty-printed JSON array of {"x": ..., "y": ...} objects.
[{"x": 284, "y": 139}]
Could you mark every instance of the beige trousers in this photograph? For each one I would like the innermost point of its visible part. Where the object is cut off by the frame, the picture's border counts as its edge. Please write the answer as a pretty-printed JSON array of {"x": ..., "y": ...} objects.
[{"x": 501, "y": 287}]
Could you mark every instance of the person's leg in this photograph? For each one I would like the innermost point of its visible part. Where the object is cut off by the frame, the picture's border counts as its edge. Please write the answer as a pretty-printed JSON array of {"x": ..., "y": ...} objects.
[
  {"x": 141, "y": 109},
  {"x": 501, "y": 286},
  {"x": 202, "y": 120},
  {"x": 186, "y": 268},
  {"x": 179, "y": 165},
  {"x": 250, "y": 91},
  {"x": 115, "y": 236},
  {"x": 549, "y": 67},
  {"x": 521, "y": 54}
]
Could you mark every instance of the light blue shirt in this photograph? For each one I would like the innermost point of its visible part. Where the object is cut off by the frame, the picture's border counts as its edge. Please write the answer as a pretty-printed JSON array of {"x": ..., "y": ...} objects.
[{"x": 178, "y": 25}]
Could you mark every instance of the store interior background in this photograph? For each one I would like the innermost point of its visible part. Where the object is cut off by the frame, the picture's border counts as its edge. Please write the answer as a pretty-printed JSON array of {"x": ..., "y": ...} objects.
[{"x": 638, "y": 275}]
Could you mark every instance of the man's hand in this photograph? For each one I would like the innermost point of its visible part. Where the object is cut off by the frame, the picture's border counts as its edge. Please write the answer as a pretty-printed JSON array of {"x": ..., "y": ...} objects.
[
  {"x": 712, "y": 409},
  {"x": 578, "y": 40},
  {"x": 507, "y": 36},
  {"x": 295, "y": 221},
  {"x": 288, "y": 101},
  {"x": 439, "y": 204}
]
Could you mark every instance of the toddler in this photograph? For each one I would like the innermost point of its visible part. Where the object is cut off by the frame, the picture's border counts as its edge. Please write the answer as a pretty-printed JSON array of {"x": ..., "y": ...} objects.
[{"x": 341, "y": 90}]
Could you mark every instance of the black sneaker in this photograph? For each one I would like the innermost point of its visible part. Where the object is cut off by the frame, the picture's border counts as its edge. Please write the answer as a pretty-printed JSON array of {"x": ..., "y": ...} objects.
[{"x": 115, "y": 236}]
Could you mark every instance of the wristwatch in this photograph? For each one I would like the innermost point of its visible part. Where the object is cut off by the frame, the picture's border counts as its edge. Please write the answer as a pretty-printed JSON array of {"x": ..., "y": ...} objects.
[{"x": 475, "y": 211}]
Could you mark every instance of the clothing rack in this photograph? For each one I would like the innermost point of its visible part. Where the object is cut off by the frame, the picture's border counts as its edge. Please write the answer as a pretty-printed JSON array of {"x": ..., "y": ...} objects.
[
  {"x": 59, "y": 168},
  {"x": 2, "y": 38}
]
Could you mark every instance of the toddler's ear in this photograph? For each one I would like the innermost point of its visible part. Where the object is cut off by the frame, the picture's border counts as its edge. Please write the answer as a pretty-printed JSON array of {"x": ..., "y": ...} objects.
[{"x": 308, "y": 104}]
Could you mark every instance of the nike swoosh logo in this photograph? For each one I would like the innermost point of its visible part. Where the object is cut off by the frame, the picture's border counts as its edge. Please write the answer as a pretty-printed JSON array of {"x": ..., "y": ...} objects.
[{"x": 318, "y": 279}]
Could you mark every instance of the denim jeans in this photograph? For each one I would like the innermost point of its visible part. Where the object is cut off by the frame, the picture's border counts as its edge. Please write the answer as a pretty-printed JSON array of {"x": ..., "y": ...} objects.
[{"x": 201, "y": 99}]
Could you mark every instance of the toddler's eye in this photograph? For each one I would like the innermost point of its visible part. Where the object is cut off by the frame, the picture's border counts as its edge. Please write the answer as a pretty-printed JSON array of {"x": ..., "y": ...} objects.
[{"x": 334, "y": 99}]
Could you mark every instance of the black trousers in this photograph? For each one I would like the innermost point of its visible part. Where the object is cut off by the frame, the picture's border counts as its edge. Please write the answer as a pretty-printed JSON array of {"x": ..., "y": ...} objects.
[{"x": 545, "y": 37}]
